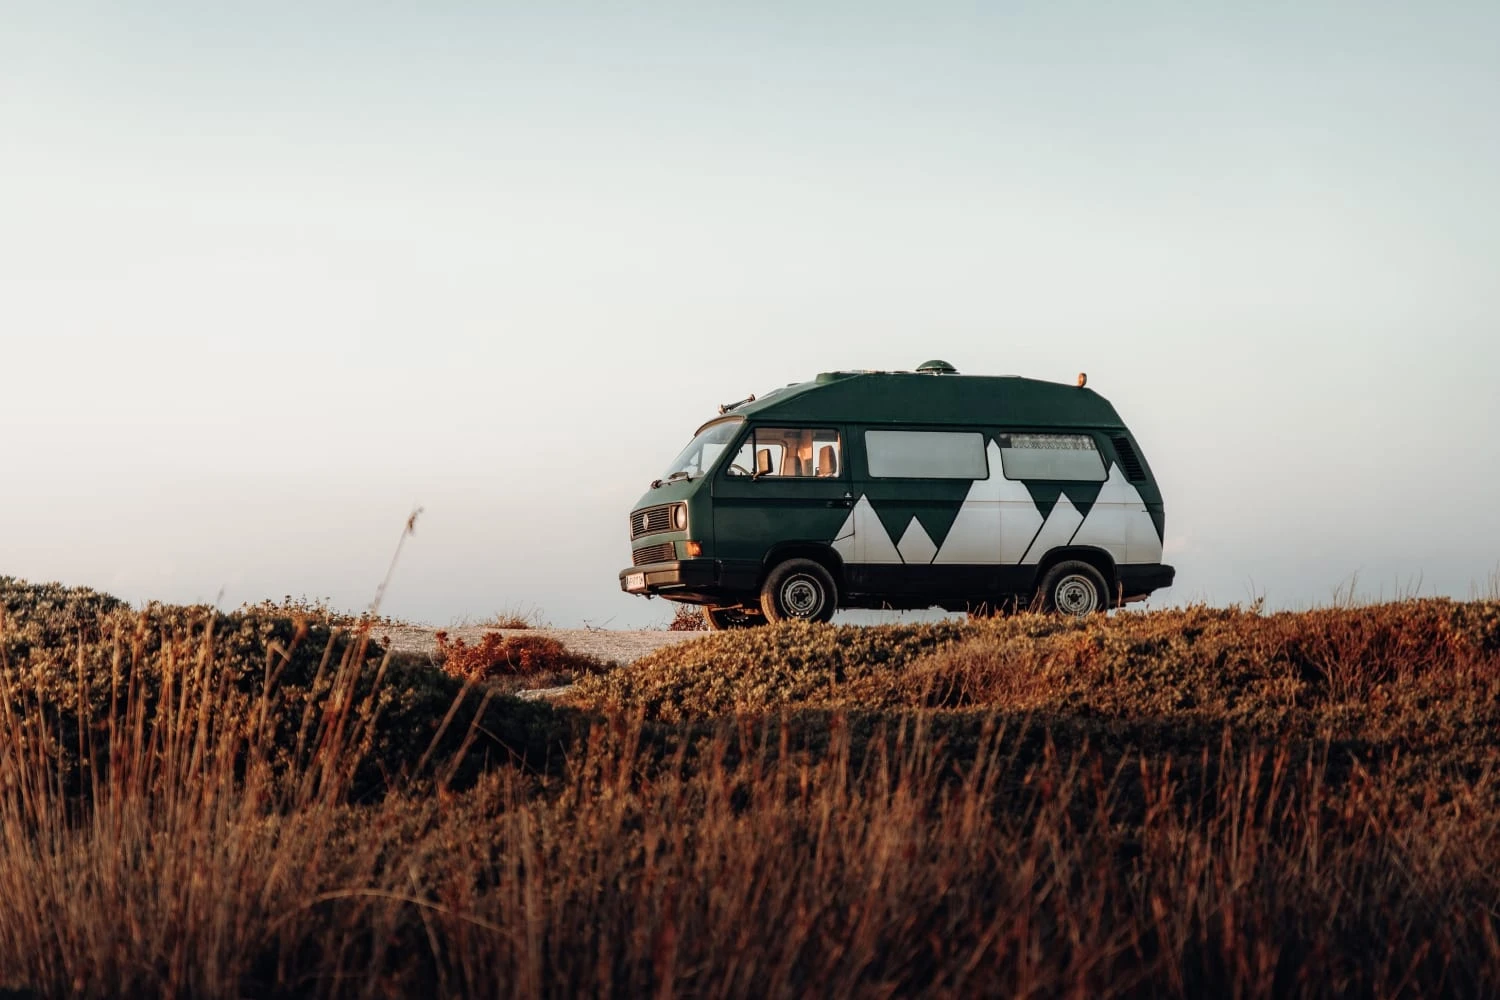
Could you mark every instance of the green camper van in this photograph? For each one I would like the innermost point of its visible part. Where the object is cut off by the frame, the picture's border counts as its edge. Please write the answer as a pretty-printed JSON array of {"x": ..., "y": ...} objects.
[{"x": 901, "y": 490}]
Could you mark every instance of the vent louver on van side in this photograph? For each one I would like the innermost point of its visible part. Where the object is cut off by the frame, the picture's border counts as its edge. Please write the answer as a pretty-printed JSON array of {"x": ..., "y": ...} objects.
[{"x": 1130, "y": 463}]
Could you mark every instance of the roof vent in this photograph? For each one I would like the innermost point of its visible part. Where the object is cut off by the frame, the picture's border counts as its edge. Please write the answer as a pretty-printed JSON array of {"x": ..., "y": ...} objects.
[{"x": 937, "y": 368}]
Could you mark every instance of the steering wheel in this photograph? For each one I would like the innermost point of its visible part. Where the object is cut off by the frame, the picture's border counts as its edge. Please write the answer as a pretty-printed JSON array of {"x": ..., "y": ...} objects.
[{"x": 740, "y": 469}]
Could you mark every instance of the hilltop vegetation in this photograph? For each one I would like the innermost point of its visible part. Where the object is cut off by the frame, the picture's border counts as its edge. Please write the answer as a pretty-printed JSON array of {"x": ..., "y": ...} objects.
[
  {"x": 1172, "y": 803},
  {"x": 1413, "y": 682}
]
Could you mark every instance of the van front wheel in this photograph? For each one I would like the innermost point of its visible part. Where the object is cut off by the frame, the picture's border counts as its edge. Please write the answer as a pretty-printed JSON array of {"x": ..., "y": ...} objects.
[
  {"x": 1074, "y": 589},
  {"x": 798, "y": 590}
]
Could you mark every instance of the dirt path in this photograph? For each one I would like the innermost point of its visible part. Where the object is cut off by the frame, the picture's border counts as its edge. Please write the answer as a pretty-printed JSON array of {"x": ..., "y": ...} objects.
[{"x": 606, "y": 644}]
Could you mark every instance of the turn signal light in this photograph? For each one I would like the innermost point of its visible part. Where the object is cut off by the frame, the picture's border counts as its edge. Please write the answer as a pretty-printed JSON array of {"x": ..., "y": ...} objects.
[{"x": 694, "y": 549}]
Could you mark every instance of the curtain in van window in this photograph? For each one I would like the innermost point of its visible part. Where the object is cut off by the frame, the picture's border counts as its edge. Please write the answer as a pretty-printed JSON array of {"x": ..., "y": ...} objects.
[{"x": 1072, "y": 457}]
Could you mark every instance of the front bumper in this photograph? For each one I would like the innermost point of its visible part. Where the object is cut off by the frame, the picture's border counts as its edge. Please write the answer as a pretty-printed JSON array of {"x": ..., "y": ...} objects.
[{"x": 703, "y": 581}]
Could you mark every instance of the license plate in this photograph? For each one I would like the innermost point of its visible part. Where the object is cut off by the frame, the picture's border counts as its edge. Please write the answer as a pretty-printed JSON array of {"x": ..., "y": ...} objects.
[{"x": 635, "y": 581}]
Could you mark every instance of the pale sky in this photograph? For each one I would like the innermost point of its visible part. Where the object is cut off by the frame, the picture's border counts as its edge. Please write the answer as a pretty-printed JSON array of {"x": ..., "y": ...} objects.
[{"x": 270, "y": 277}]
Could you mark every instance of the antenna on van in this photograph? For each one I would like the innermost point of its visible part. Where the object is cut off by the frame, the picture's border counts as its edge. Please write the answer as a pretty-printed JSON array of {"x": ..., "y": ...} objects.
[{"x": 1083, "y": 379}]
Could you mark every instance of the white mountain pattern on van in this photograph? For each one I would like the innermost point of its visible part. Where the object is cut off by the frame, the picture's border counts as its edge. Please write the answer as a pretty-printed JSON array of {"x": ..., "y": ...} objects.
[
  {"x": 1001, "y": 510},
  {"x": 980, "y": 523},
  {"x": 1062, "y": 524},
  {"x": 916, "y": 545},
  {"x": 863, "y": 539}
]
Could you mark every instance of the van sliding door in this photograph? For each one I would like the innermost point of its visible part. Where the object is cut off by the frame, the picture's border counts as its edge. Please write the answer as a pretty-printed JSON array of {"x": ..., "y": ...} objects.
[{"x": 925, "y": 528}]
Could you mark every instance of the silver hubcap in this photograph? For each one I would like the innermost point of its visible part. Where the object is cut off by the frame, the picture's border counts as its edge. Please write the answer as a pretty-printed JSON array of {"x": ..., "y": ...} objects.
[
  {"x": 1075, "y": 595},
  {"x": 801, "y": 597}
]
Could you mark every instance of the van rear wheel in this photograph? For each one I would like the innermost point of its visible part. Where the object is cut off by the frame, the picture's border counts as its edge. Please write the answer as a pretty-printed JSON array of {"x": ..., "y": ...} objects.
[
  {"x": 1074, "y": 589},
  {"x": 798, "y": 590},
  {"x": 723, "y": 619}
]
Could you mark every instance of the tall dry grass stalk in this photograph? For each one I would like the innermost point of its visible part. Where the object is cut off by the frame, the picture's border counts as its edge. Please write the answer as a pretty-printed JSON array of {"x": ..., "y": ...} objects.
[{"x": 172, "y": 856}]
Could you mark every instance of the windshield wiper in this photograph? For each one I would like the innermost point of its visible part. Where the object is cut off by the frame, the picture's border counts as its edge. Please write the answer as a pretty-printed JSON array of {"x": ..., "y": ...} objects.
[{"x": 674, "y": 477}]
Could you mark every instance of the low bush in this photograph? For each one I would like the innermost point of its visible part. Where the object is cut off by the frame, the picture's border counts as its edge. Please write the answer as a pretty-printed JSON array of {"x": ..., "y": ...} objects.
[
  {"x": 537, "y": 659},
  {"x": 687, "y": 618},
  {"x": 517, "y": 617},
  {"x": 762, "y": 669},
  {"x": 1225, "y": 664},
  {"x": 319, "y": 609}
]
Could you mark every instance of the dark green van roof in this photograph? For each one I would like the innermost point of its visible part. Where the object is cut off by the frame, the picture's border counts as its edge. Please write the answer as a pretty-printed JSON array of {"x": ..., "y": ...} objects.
[{"x": 907, "y": 397}]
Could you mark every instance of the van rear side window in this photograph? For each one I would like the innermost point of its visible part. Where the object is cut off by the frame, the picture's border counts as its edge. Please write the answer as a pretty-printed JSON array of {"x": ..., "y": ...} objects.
[
  {"x": 926, "y": 455},
  {"x": 1051, "y": 456}
]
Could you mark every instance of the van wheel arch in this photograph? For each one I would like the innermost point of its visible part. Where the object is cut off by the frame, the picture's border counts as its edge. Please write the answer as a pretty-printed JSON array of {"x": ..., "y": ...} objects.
[
  {"x": 1098, "y": 558},
  {"x": 822, "y": 554}
]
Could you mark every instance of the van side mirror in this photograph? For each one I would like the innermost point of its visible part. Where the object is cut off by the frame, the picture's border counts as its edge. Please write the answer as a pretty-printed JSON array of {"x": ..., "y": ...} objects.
[{"x": 763, "y": 462}]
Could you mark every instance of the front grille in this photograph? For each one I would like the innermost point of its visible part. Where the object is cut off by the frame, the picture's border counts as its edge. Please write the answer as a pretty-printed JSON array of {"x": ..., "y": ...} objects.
[
  {"x": 650, "y": 520},
  {"x": 665, "y": 552}
]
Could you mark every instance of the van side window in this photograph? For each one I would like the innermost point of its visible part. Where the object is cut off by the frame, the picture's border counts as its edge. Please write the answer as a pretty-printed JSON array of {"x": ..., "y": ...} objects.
[
  {"x": 926, "y": 455},
  {"x": 790, "y": 453},
  {"x": 1051, "y": 456}
]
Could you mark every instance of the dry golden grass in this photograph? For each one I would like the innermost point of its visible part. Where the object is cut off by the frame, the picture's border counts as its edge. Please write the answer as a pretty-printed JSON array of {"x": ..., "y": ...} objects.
[
  {"x": 1173, "y": 804},
  {"x": 517, "y": 617}
]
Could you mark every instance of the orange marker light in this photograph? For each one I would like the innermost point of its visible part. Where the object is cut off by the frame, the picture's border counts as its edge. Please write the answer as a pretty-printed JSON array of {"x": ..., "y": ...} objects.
[{"x": 694, "y": 549}]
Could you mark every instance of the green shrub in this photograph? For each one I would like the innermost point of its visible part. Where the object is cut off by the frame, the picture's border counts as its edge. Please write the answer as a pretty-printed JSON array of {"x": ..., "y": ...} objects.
[
  {"x": 762, "y": 669},
  {"x": 1224, "y": 664}
]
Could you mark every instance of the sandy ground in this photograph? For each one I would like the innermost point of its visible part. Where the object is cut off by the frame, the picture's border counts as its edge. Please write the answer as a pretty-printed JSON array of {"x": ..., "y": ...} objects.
[{"x": 606, "y": 644}]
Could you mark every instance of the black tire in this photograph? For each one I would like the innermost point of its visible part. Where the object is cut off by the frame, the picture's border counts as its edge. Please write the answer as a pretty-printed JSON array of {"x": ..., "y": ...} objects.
[
  {"x": 724, "y": 619},
  {"x": 799, "y": 590},
  {"x": 1073, "y": 589}
]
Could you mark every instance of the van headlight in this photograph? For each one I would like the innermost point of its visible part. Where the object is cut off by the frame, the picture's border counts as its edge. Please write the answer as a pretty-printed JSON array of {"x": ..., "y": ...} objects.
[{"x": 679, "y": 517}]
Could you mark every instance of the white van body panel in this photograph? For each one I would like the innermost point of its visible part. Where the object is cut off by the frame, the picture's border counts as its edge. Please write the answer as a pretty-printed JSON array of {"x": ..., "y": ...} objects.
[
  {"x": 1120, "y": 524},
  {"x": 1062, "y": 524}
]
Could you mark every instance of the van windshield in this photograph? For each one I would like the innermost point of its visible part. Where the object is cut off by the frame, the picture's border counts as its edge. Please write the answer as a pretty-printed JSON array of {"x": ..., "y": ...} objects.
[{"x": 704, "y": 450}]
